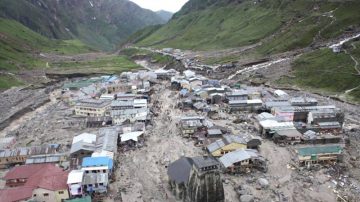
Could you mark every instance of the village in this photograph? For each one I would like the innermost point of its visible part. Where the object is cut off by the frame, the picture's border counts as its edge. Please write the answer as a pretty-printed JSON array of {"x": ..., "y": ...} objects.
[{"x": 167, "y": 135}]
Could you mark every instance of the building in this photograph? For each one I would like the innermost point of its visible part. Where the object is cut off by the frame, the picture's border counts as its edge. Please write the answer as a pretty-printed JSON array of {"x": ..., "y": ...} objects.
[
  {"x": 299, "y": 113},
  {"x": 92, "y": 107},
  {"x": 303, "y": 101},
  {"x": 268, "y": 127},
  {"x": 196, "y": 179},
  {"x": 96, "y": 173},
  {"x": 97, "y": 164},
  {"x": 245, "y": 105},
  {"x": 82, "y": 146},
  {"x": 189, "y": 125},
  {"x": 118, "y": 87},
  {"x": 107, "y": 140},
  {"x": 9, "y": 157},
  {"x": 225, "y": 145},
  {"x": 281, "y": 94},
  {"x": 287, "y": 136},
  {"x": 47, "y": 158},
  {"x": 96, "y": 122},
  {"x": 131, "y": 115},
  {"x": 132, "y": 139},
  {"x": 242, "y": 160},
  {"x": 307, "y": 156},
  {"x": 74, "y": 183},
  {"x": 237, "y": 95},
  {"x": 41, "y": 182}
]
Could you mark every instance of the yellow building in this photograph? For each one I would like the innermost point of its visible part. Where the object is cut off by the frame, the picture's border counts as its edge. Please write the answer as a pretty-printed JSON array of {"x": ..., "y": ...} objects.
[
  {"x": 92, "y": 107},
  {"x": 41, "y": 194},
  {"x": 225, "y": 145}
]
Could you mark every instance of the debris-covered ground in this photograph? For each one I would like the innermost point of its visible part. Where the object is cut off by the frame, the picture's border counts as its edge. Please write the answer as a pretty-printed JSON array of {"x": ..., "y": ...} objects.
[{"x": 141, "y": 173}]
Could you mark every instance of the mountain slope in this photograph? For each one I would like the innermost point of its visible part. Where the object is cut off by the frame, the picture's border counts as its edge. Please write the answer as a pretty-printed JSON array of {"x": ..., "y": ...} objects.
[
  {"x": 100, "y": 23},
  {"x": 20, "y": 47},
  {"x": 210, "y": 24}
]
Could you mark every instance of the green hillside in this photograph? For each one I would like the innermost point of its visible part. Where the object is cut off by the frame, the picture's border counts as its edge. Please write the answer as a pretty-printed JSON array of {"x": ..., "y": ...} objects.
[
  {"x": 325, "y": 71},
  {"x": 223, "y": 24},
  {"x": 20, "y": 47}
]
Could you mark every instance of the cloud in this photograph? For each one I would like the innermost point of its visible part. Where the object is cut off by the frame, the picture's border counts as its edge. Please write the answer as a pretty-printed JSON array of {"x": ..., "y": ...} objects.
[{"x": 155, "y": 5}]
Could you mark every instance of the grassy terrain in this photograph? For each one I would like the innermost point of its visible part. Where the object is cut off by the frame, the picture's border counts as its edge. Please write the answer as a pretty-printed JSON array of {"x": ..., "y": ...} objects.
[
  {"x": 216, "y": 28},
  {"x": 7, "y": 81},
  {"x": 20, "y": 50},
  {"x": 325, "y": 71},
  {"x": 279, "y": 25},
  {"x": 155, "y": 57},
  {"x": 108, "y": 64},
  {"x": 20, "y": 47}
]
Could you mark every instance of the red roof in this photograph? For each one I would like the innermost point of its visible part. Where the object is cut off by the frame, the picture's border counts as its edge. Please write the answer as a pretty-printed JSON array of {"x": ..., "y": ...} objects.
[
  {"x": 46, "y": 176},
  {"x": 50, "y": 179},
  {"x": 16, "y": 194},
  {"x": 24, "y": 172}
]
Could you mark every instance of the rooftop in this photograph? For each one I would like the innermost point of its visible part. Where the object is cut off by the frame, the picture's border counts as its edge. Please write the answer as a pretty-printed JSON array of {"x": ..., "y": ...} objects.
[
  {"x": 204, "y": 161},
  {"x": 93, "y": 103},
  {"x": 309, "y": 151},
  {"x": 97, "y": 162},
  {"x": 237, "y": 156}
]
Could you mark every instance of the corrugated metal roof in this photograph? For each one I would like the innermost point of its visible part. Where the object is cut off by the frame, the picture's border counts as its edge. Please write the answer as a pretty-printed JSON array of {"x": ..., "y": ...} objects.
[
  {"x": 82, "y": 146},
  {"x": 237, "y": 156},
  {"x": 49, "y": 158},
  {"x": 85, "y": 137},
  {"x": 107, "y": 139}
]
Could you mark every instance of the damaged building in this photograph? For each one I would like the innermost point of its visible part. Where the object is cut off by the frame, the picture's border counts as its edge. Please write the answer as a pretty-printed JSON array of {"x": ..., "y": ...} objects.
[{"x": 242, "y": 160}]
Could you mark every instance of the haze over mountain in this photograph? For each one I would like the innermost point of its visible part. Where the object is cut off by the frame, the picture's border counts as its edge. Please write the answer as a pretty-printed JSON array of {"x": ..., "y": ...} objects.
[{"x": 165, "y": 15}]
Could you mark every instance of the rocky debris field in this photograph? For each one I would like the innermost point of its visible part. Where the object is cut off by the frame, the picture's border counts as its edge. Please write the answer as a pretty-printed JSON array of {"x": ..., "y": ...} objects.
[{"x": 141, "y": 174}]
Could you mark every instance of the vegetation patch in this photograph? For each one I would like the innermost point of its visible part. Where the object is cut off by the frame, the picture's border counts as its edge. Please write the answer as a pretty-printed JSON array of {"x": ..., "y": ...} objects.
[
  {"x": 325, "y": 71},
  {"x": 8, "y": 81},
  {"x": 108, "y": 64}
]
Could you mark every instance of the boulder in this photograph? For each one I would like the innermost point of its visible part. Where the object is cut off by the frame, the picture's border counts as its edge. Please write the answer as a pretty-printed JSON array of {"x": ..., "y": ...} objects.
[
  {"x": 247, "y": 198},
  {"x": 264, "y": 183}
]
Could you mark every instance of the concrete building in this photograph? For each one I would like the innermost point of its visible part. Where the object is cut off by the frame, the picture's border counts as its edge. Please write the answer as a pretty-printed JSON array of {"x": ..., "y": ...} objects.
[
  {"x": 74, "y": 183},
  {"x": 92, "y": 107},
  {"x": 306, "y": 156},
  {"x": 82, "y": 146}
]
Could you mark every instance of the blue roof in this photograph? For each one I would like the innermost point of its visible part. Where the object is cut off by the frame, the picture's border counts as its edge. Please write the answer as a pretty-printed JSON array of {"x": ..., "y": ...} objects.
[
  {"x": 97, "y": 162},
  {"x": 183, "y": 91}
]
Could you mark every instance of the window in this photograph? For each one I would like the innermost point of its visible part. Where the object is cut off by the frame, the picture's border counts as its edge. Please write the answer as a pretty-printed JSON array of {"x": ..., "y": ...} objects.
[
  {"x": 34, "y": 195},
  {"x": 61, "y": 192},
  {"x": 46, "y": 194}
]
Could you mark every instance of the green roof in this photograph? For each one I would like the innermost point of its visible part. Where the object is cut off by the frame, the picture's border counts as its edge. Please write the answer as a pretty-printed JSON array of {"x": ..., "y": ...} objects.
[
  {"x": 83, "y": 199},
  {"x": 308, "y": 151},
  {"x": 80, "y": 84}
]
